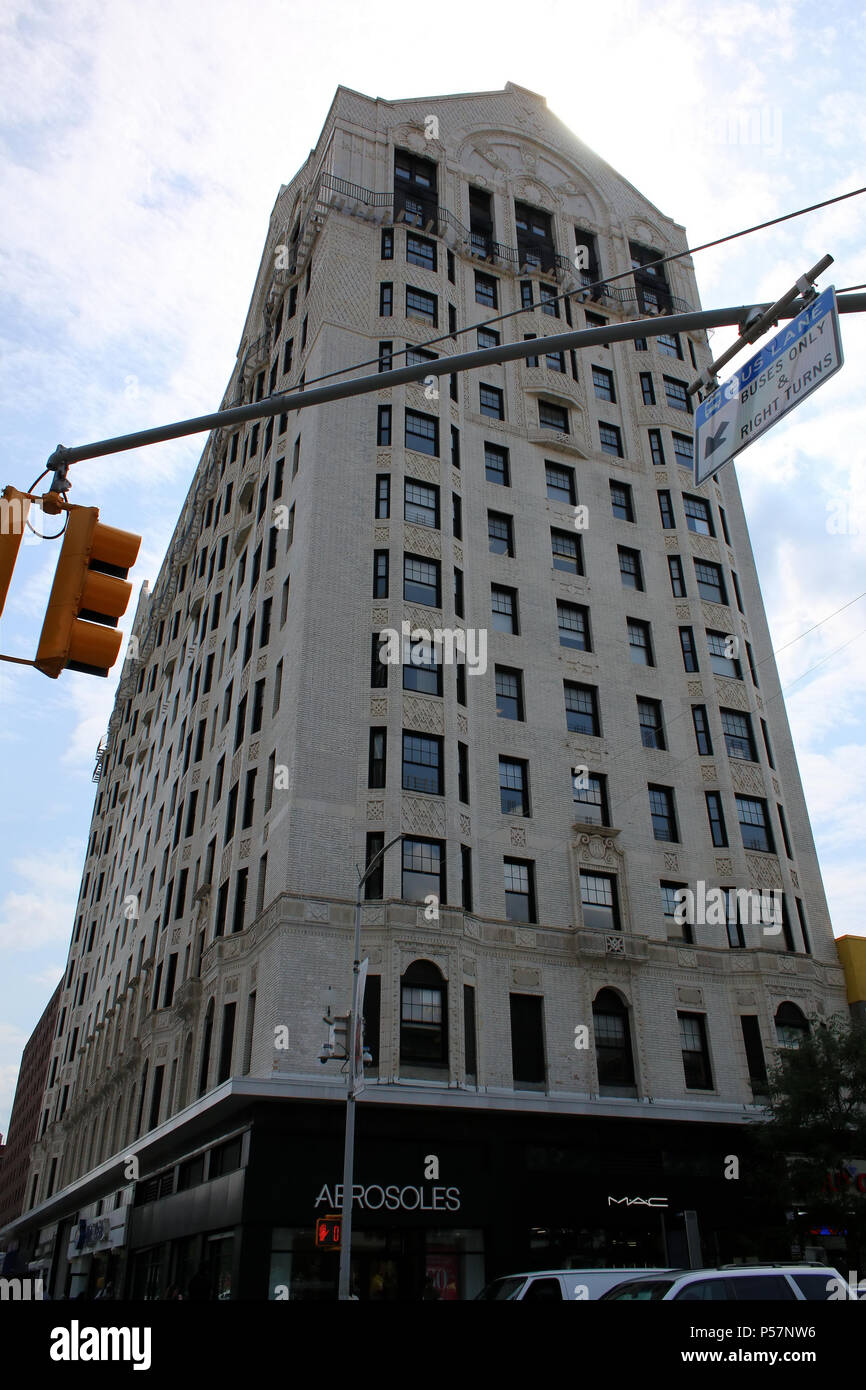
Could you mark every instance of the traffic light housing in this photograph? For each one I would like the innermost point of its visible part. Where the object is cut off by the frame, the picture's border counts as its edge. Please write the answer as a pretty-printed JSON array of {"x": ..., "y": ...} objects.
[
  {"x": 14, "y": 507},
  {"x": 328, "y": 1232},
  {"x": 88, "y": 596}
]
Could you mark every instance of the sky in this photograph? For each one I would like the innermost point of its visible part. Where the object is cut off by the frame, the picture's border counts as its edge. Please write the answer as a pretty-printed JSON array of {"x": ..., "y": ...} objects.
[{"x": 142, "y": 150}]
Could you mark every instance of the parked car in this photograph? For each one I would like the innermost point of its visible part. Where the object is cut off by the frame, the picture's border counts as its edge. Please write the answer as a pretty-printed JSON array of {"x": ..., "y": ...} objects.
[
  {"x": 774, "y": 1283},
  {"x": 558, "y": 1285}
]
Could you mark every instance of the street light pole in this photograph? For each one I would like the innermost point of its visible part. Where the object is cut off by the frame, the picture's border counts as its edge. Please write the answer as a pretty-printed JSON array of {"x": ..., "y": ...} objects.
[{"x": 343, "y": 1291}]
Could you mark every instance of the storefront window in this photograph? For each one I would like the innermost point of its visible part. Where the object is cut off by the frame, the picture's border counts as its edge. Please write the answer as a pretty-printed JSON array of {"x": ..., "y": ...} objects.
[{"x": 388, "y": 1265}]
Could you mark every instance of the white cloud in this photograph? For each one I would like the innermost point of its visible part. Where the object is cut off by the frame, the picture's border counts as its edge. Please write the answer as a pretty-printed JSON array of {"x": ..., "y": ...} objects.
[{"x": 42, "y": 913}]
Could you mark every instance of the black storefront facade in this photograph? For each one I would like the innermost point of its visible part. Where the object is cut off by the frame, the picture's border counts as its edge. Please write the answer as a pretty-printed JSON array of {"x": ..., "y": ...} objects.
[{"x": 444, "y": 1200}]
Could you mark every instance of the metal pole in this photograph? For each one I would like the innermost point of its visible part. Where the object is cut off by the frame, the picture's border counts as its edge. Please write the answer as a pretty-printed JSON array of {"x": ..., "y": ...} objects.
[
  {"x": 441, "y": 366},
  {"x": 343, "y": 1290}
]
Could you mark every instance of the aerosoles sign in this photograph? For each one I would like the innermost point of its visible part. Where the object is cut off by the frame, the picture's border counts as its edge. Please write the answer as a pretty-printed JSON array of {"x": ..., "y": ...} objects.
[{"x": 391, "y": 1198}]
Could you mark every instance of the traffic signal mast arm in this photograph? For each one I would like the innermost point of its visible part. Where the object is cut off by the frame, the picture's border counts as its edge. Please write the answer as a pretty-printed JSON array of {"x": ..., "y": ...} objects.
[{"x": 281, "y": 404}]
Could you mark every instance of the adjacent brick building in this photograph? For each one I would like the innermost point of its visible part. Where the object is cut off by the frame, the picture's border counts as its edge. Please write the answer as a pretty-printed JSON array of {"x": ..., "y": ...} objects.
[
  {"x": 28, "y": 1119},
  {"x": 551, "y": 1047}
]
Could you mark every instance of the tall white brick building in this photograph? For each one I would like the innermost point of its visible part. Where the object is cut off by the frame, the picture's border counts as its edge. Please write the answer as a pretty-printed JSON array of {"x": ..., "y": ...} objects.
[{"x": 545, "y": 1035}]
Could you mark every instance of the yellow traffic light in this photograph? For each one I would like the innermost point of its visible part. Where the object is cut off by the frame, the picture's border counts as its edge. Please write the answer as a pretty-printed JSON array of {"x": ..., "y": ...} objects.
[
  {"x": 14, "y": 506},
  {"x": 89, "y": 594}
]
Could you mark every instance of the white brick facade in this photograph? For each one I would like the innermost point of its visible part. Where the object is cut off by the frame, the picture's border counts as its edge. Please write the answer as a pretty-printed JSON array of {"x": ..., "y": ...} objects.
[{"x": 313, "y": 827}]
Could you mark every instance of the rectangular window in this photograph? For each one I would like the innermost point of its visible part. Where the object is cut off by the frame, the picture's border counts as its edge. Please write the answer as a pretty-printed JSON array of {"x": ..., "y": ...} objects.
[
  {"x": 581, "y": 709},
  {"x": 784, "y": 828},
  {"x": 500, "y": 534},
  {"x": 621, "y": 501},
  {"x": 573, "y": 623},
  {"x": 455, "y": 447},
  {"x": 380, "y": 573},
  {"x": 527, "y": 1038},
  {"x": 560, "y": 483},
  {"x": 610, "y": 438},
  {"x": 695, "y": 1051},
  {"x": 752, "y": 668},
  {"x": 640, "y": 642},
  {"x": 491, "y": 402},
  {"x": 423, "y": 870},
  {"x": 456, "y": 516},
  {"x": 421, "y": 581},
  {"x": 383, "y": 429},
  {"x": 452, "y": 266},
  {"x": 422, "y": 673},
  {"x": 720, "y": 645},
  {"x": 590, "y": 800},
  {"x": 669, "y": 344},
  {"x": 487, "y": 338},
  {"x": 663, "y": 813},
  {"x": 739, "y": 740},
  {"x": 470, "y": 1056},
  {"x": 458, "y": 593},
  {"x": 699, "y": 517},
  {"x": 676, "y": 394},
  {"x": 509, "y": 693},
  {"x": 754, "y": 824},
  {"x": 422, "y": 764},
  {"x": 630, "y": 567},
  {"x": 724, "y": 520},
  {"x": 463, "y": 773},
  {"x": 652, "y": 729},
  {"x": 674, "y": 930},
  {"x": 666, "y": 510},
  {"x": 531, "y": 361},
  {"x": 648, "y": 392},
  {"x": 598, "y": 898},
  {"x": 513, "y": 787},
  {"x": 265, "y": 626},
  {"x": 807, "y": 946},
  {"x": 386, "y": 355},
  {"x": 383, "y": 496},
  {"x": 548, "y": 299},
  {"x": 452, "y": 321},
  {"x": 640, "y": 345},
  {"x": 716, "y": 817},
  {"x": 486, "y": 290},
  {"x": 496, "y": 464},
  {"x": 678, "y": 583},
  {"x": 519, "y": 877},
  {"x": 602, "y": 383},
  {"x": 566, "y": 552},
  {"x": 378, "y": 667},
  {"x": 687, "y": 643},
  {"x": 768, "y": 747},
  {"x": 421, "y": 305},
  {"x": 249, "y": 799},
  {"x": 420, "y": 251},
  {"x": 239, "y": 914},
  {"x": 386, "y": 299},
  {"x": 552, "y": 417},
  {"x": 258, "y": 707},
  {"x": 657, "y": 453},
  {"x": 422, "y": 433},
  {"x": 377, "y": 757},
  {"x": 526, "y": 300},
  {"x": 373, "y": 887},
  {"x": 421, "y": 503},
  {"x": 711, "y": 583},
  {"x": 504, "y": 608},
  {"x": 739, "y": 596},
  {"x": 702, "y": 731},
  {"x": 684, "y": 450},
  {"x": 387, "y": 248}
]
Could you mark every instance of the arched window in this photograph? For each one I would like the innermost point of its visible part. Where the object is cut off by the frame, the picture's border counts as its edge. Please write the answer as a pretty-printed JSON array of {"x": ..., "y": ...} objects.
[
  {"x": 423, "y": 1015},
  {"x": 205, "y": 1051},
  {"x": 791, "y": 1025},
  {"x": 613, "y": 1054}
]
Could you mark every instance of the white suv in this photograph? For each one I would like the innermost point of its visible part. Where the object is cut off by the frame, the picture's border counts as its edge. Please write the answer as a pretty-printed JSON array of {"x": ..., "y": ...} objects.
[
  {"x": 559, "y": 1285},
  {"x": 782, "y": 1283}
]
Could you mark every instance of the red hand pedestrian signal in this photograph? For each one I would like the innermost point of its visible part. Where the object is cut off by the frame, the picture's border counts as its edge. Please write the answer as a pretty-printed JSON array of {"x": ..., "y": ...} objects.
[{"x": 328, "y": 1232}]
